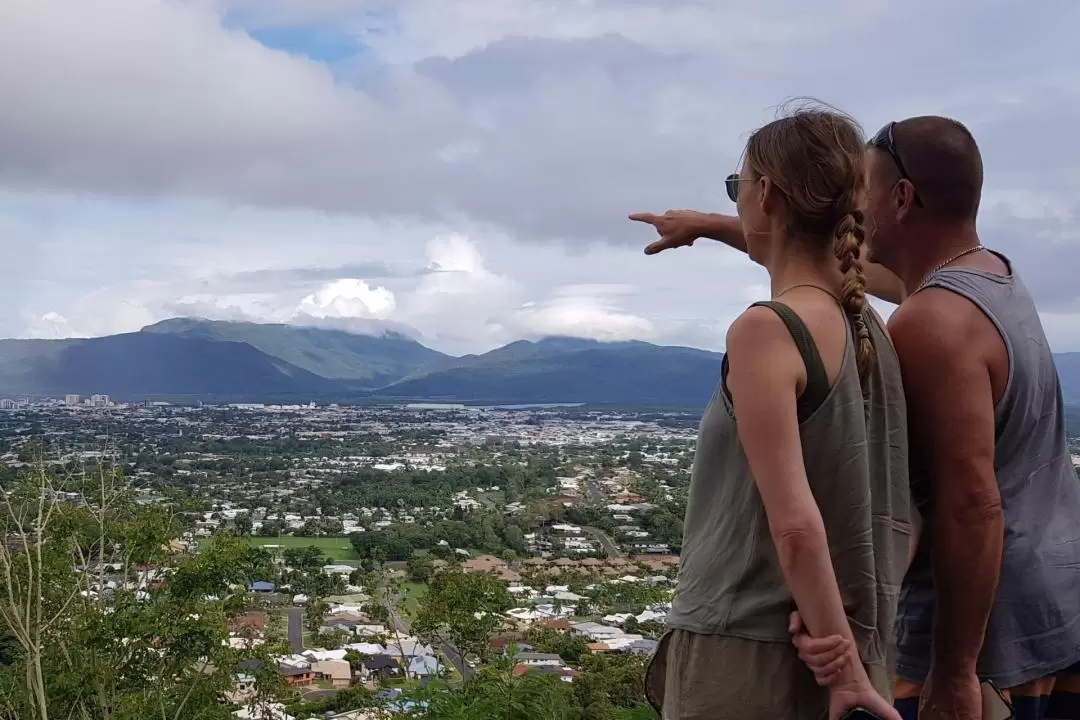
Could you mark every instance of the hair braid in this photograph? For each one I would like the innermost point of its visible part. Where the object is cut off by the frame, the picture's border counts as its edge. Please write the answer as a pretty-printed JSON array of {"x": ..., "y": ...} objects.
[{"x": 848, "y": 242}]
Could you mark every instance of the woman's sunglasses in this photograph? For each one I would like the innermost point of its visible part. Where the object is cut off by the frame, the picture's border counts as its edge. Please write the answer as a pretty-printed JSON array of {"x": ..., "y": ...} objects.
[{"x": 732, "y": 184}]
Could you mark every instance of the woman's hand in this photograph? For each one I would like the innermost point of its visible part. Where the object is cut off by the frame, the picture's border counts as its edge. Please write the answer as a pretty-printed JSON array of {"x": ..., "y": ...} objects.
[
  {"x": 677, "y": 228},
  {"x": 825, "y": 657},
  {"x": 835, "y": 665}
]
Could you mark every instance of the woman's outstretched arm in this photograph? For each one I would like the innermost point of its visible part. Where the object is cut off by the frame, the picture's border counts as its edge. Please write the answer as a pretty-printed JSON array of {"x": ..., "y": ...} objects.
[{"x": 680, "y": 228}]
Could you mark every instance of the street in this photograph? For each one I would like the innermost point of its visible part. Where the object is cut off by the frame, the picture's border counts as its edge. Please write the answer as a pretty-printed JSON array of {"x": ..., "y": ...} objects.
[
  {"x": 296, "y": 628},
  {"x": 595, "y": 498},
  {"x": 610, "y": 547}
]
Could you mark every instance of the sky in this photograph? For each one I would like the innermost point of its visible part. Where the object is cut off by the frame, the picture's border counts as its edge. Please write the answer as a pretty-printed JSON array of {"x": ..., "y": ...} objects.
[{"x": 461, "y": 170}]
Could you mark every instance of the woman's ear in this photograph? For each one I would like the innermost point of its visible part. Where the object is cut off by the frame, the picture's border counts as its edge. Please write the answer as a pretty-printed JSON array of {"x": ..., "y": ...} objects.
[{"x": 767, "y": 194}]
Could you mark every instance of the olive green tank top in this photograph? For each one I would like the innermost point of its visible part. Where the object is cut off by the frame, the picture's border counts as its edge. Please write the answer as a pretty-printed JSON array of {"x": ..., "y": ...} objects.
[{"x": 855, "y": 451}]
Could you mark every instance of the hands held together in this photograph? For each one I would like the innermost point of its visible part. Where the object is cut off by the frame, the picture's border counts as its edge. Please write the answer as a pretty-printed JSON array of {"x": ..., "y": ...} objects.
[
  {"x": 957, "y": 697},
  {"x": 836, "y": 665}
]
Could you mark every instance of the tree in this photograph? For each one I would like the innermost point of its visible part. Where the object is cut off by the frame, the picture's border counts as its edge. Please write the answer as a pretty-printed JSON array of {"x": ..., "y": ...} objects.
[
  {"x": 514, "y": 538},
  {"x": 420, "y": 568},
  {"x": 465, "y": 608},
  {"x": 315, "y": 613},
  {"x": 102, "y": 627},
  {"x": 566, "y": 645},
  {"x": 304, "y": 558},
  {"x": 332, "y": 639},
  {"x": 496, "y": 693},
  {"x": 242, "y": 524}
]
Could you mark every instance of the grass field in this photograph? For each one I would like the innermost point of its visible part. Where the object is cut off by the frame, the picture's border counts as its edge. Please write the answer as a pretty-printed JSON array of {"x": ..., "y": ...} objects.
[
  {"x": 335, "y": 548},
  {"x": 413, "y": 593}
]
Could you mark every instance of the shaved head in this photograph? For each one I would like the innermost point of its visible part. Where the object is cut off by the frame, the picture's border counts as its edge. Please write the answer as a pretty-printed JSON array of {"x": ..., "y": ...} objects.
[{"x": 945, "y": 165}]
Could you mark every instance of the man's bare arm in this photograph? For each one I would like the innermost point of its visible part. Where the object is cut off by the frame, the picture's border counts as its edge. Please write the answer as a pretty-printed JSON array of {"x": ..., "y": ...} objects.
[
  {"x": 950, "y": 403},
  {"x": 680, "y": 228}
]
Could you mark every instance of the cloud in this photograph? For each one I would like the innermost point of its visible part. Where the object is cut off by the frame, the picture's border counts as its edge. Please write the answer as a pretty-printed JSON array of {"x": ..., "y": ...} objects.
[
  {"x": 584, "y": 311},
  {"x": 350, "y": 298},
  {"x": 474, "y": 160}
]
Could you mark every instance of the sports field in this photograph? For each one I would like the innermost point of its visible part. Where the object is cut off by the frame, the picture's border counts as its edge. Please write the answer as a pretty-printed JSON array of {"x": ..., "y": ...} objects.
[{"x": 335, "y": 548}]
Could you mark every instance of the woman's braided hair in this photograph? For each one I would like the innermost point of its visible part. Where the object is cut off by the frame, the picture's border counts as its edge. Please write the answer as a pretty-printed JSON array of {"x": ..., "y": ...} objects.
[
  {"x": 815, "y": 158},
  {"x": 847, "y": 246}
]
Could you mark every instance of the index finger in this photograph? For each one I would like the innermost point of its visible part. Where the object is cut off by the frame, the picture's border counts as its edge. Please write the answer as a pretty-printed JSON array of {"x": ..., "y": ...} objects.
[{"x": 645, "y": 217}]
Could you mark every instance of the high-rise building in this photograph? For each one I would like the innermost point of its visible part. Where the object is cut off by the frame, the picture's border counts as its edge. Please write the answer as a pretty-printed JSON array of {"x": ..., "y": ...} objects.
[
  {"x": 71, "y": 399},
  {"x": 99, "y": 400}
]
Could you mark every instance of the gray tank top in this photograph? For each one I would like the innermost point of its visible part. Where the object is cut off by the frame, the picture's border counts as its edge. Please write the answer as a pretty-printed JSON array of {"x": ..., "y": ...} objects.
[
  {"x": 855, "y": 454},
  {"x": 1034, "y": 627}
]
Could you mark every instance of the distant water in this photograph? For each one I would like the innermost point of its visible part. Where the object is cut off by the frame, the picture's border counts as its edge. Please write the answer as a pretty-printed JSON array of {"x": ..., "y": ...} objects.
[
  {"x": 534, "y": 406},
  {"x": 460, "y": 406}
]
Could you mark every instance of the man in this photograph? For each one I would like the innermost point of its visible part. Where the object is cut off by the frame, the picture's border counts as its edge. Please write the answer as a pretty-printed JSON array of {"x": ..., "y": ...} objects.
[{"x": 993, "y": 593}]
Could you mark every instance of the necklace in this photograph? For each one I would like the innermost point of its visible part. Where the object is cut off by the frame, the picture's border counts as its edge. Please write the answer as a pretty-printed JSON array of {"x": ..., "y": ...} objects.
[
  {"x": 786, "y": 290},
  {"x": 949, "y": 261}
]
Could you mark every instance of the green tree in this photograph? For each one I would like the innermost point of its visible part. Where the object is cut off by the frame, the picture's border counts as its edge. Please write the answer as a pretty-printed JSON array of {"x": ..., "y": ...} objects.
[
  {"x": 304, "y": 558},
  {"x": 242, "y": 524},
  {"x": 464, "y": 608},
  {"x": 420, "y": 568},
  {"x": 496, "y": 693},
  {"x": 105, "y": 623},
  {"x": 315, "y": 613},
  {"x": 332, "y": 639}
]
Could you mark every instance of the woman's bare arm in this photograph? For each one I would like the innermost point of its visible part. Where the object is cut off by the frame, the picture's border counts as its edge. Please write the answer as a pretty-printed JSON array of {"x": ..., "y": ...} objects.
[
  {"x": 764, "y": 369},
  {"x": 680, "y": 228}
]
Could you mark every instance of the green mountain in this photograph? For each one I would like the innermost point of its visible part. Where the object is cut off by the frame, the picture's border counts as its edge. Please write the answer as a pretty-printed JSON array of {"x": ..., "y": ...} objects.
[
  {"x": 572, "y": 370},
  {"x": 370, "y": 361},
  {"x": 138, "y": 365},
  {"x": 246, "y": 361},
  {"x": 1068, "y": 365}
]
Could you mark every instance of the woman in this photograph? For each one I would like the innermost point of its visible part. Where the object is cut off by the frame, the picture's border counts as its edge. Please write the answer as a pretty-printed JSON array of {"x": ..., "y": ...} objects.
[{"x": 799, "y": 491}]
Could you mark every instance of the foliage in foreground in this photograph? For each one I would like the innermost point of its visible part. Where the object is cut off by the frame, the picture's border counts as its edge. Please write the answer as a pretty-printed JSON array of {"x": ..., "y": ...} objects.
[{"x": 92, "y": 625}]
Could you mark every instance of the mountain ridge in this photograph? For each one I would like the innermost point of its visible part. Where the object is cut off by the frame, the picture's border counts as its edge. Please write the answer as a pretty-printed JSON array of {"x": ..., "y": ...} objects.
[{"x": 192, "y": 357}]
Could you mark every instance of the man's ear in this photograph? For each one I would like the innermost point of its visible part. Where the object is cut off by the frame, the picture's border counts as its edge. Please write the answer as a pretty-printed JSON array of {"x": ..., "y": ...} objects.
[{"x": 903, "y": 197}]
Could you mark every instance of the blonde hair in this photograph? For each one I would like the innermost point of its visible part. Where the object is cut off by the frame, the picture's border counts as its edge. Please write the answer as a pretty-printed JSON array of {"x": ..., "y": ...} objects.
[{"x": 815, "y": 158}]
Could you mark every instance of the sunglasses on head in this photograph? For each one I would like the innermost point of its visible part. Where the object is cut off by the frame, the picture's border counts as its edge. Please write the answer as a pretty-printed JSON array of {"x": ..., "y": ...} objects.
[{"x": 883, "y": 141}]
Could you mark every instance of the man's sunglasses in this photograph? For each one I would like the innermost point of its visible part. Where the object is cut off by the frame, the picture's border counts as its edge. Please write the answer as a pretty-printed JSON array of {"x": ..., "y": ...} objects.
[{"x": 883, "y": 141}]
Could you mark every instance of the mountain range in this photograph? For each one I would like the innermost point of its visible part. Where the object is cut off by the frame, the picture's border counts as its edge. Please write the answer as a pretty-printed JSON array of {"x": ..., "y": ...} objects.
[{"x": 187, "y": 358}]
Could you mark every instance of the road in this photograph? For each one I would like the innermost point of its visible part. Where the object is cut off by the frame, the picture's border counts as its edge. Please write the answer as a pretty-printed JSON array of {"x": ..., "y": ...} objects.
[
  {"x": 595, "y": 498},
  {"x": 296, "y": 628},
  {"x": 610, "y": 547}
]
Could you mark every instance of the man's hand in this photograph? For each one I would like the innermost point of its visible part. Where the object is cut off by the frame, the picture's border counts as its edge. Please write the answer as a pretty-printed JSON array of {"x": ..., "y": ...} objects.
[
  {"x": 825, "y": 657},
  {"x": 845, "y": 699},
  {"x": 677, "y": 228},
  {"x": 951, "y": 698}
]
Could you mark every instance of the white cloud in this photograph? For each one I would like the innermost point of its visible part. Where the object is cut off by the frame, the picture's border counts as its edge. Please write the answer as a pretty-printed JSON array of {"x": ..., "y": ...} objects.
[
  {"x": 155, "y": 159},
  {"x": 348, "y": 298},
  {"x": 584, "y": 311}
]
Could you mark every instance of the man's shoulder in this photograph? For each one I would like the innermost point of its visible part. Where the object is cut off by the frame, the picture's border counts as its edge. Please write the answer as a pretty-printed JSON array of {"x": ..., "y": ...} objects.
[{"x": 934, "y": 320}]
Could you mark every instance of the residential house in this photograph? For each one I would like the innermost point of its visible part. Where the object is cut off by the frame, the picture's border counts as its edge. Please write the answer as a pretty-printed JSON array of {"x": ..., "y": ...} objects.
[
  {"x": 423, "y": 666},
  {"x": 297, "y": 676},
  {"x": 595, "y": 631},
  {"x": 406, "y": 648},
  {"x": 564, "y": 673},
  {"x": 483, "y": 564},
  {"x": 338, "y": 672},
  {"x": 537, "y": 659},
  {"x": 379, "y": 666}
]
